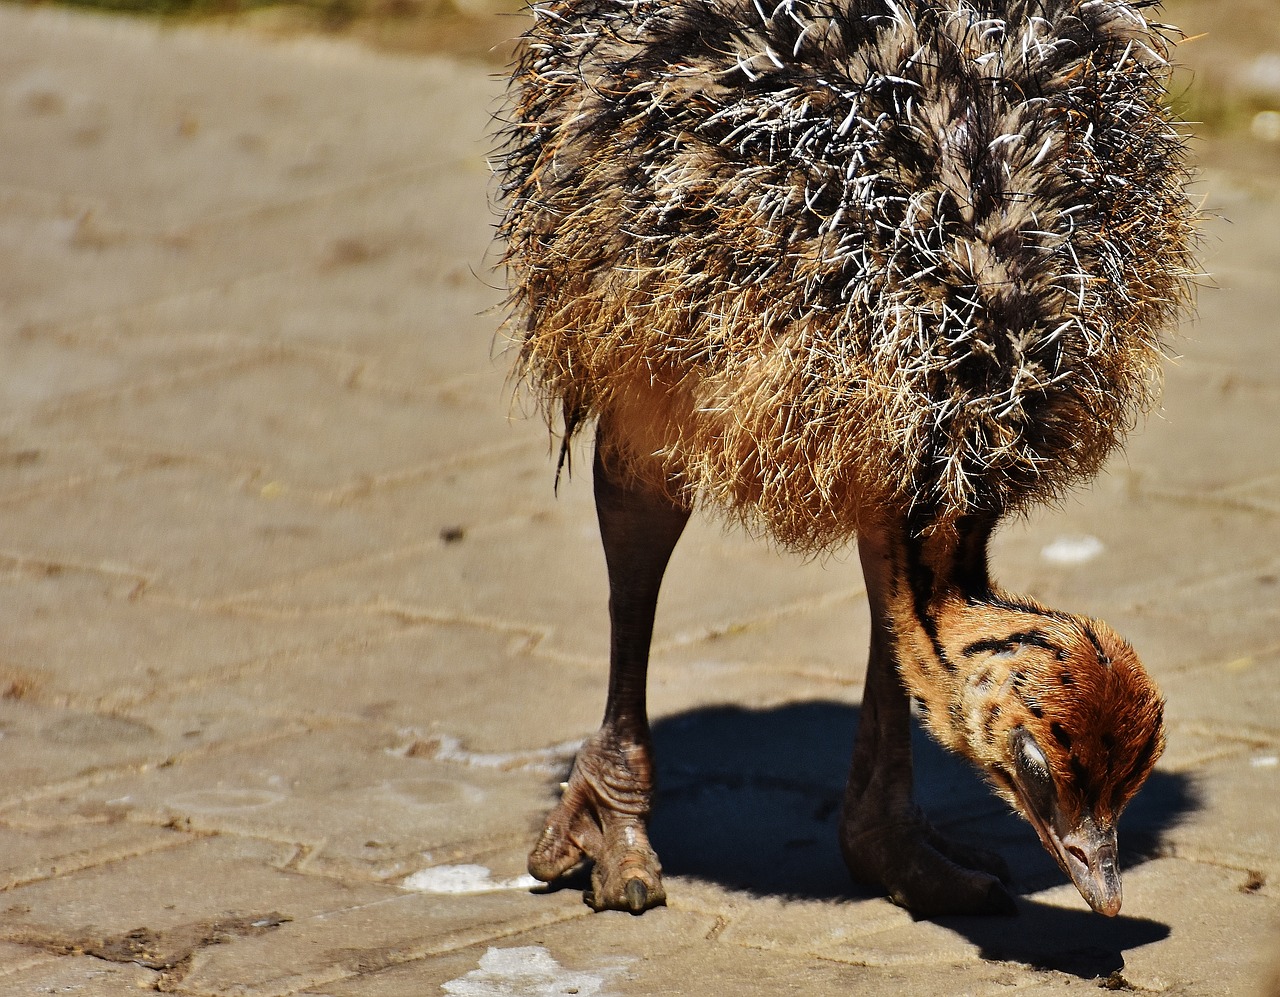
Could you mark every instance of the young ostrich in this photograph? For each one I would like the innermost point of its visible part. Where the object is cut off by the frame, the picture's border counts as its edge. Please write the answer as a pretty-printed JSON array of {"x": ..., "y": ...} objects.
[{"x": 890, "y": 269}]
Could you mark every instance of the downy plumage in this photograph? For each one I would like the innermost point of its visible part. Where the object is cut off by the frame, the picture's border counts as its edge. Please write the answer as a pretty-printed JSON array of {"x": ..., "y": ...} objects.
[{"x": 884, "y": 268}]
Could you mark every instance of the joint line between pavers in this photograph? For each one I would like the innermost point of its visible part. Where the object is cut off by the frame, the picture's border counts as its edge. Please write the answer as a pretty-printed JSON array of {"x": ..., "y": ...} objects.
[
  {"x": 799, "y": 607},
  {"x": 21, "y": 563},
  {"x": 343, "y": 494},
  {"x": 411, "y": 176},
  {"x": 79, "y": 402},
  {"x": 1247, "y": 738},
  {"x": 39, "y": 956},
  {"x": 66, "y": 485},
  {"x": 1266, "y": 864},
  {"x": 91, "y": 860},
  {"x": 412, "y": 616},
  {"x": 1211, "y": 500},
  {"x": 110, "y": 774},
  {"x": 461, "y": 941}
]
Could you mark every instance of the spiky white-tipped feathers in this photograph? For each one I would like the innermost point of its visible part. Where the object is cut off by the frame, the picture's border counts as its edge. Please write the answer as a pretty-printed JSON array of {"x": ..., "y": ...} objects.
[{"x": 824, "y": 258}]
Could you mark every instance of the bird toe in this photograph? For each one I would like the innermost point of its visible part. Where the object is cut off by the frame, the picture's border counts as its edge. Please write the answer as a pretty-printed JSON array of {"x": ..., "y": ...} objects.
[
  {"x": 627, "y": 877},
  {"x": 921, "y": 870}
]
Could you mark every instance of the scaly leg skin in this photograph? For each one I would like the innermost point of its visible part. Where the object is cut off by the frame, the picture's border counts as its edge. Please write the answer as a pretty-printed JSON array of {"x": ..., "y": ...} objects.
[
  {"x": 604, "y": 811},
  {"x": 885, "y": 839}
]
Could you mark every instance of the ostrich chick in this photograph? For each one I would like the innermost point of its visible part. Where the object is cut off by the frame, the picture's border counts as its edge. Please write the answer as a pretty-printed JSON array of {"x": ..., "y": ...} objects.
[{"x": 884, "y": 269}]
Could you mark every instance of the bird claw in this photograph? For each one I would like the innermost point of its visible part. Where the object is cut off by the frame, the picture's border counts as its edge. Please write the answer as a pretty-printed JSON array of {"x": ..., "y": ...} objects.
[
  {"x": 636, "y": 891},
  {"x": 637, "y": 895},
  {"x": 605, "y": 826}
]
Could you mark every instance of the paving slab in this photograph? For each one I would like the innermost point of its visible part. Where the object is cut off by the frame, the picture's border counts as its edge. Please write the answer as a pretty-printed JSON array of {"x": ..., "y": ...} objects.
[
  {"x": 1225, "y": 949},
  {"x": 162, "y": 905},
  {"x": 297, "y": 639},
  {"x": 364, "y": 940},
  {"x": 143, "y": 648},
  {"x": 357, "y": 803},
  {"x": 34, "y": 850},
  {"x": 73, "y": 974},
  {"x": 656, "y": 958}
]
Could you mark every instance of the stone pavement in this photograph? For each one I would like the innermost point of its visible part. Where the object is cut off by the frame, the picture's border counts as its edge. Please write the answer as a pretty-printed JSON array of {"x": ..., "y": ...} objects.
[{"x": 297, "y": 641}]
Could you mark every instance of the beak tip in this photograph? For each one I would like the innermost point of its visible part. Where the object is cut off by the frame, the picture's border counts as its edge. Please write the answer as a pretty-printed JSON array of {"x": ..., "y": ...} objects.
[
  {"x": 1109, "y": 907},
  {"x": 1103, "y": 894}
]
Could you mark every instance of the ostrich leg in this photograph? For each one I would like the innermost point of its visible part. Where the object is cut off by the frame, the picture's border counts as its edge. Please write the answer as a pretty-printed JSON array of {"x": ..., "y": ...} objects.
[
  {"x": 605, "y": 807},
  {"x": 885, "y": 838}
]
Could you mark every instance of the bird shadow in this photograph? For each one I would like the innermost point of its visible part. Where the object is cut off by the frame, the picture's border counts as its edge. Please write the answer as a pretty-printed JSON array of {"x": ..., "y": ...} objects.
[{"x": 750, "y": 799}]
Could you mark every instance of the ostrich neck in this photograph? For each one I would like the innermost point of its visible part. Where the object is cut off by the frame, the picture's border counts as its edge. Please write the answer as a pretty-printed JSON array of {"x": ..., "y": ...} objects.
[{"x": 935, "y": 597}]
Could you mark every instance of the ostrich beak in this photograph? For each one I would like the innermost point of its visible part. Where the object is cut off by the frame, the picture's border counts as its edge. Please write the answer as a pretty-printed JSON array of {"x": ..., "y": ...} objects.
[{"x": 1089, "y": 854}]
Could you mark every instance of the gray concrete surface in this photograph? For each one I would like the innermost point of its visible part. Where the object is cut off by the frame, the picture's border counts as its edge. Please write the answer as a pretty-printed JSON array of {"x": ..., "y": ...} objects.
[{"x": 296, "y": 640}]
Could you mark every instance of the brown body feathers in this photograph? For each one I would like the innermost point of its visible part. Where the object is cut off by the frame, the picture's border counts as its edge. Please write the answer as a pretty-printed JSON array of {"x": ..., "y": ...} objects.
[{"x": 835, "y": 257}]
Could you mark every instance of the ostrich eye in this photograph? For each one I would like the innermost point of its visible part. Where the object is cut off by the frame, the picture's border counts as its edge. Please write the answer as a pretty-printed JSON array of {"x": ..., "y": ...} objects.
[
  {"x": 1034, "y": 779},
  {"x": 1033, "y": 757},
  {"x": 1029, "y": 758}
]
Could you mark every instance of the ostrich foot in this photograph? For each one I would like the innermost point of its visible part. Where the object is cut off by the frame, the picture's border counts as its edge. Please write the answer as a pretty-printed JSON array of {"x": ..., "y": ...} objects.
[
  {"x": 921, "y": 869},
  {"x": 602, "y": 817}
]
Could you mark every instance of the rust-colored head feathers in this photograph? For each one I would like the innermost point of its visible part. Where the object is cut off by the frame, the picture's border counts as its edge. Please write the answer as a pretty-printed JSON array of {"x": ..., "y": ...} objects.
[
  {"x": 1059, "y": 714},
  {"x": 1097, "y": 716},
  {"x": 1072, "y": 682}
]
